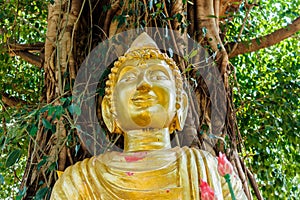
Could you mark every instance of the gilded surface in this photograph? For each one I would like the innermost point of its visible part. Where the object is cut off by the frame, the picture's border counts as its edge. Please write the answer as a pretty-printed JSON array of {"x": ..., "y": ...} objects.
[
  {"x": 145, "y": 101},
  {"x": 163, "y": 174}
]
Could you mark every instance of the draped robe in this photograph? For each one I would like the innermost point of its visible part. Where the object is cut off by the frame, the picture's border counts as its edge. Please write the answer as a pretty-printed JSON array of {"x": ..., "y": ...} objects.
[{"x": 163, "y": 174}]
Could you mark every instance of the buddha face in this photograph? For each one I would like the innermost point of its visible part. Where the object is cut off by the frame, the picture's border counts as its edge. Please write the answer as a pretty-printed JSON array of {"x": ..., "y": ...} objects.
[{"x": 144, "y": 95}]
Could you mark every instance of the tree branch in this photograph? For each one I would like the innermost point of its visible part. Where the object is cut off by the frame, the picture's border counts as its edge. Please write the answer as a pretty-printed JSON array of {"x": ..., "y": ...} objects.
[
  {"x": 254, "y": 185},
  {"x": 25, "y": 51},
  {"x": 30, "y": 57},
  {"x": 11, "y": 101},
  {"x": 264, "y": 41},
  {"x": 37, "y": 47}
]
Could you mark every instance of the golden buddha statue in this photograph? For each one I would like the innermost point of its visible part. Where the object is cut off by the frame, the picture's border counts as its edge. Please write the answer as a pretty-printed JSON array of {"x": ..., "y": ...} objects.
[{"x": 144, "y": 100}]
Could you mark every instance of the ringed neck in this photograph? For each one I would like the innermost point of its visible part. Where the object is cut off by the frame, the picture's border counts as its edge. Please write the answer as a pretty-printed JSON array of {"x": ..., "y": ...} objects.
[{"x": 147, "y": 140}]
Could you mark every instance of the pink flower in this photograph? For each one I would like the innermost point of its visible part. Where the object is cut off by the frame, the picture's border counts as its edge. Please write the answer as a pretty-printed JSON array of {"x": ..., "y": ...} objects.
[
  {"x": 135, "y": 156},
  {"x": 206, "y": 192},
  {"x": 224, "y": 166}
]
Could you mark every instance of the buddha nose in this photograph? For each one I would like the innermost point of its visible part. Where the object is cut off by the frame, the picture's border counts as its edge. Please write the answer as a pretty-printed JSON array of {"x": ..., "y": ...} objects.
[{"x": 144, "y": 85}]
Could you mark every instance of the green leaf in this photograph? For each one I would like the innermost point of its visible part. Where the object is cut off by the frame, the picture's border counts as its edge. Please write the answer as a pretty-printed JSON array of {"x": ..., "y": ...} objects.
[
  {"x": 74, "y": 109},
  {"x": 212, "y": 16},
  {"x": 193, "y": 53},
  {"x": 46, "y": 124},
  {"x": 1, "y": 179},
  {"x": 51, "y": 109},
  {"x": 63, "y": 100},
  {"x": 33, "y": 130},
  {"x": 179, "y": 17},
  {"x": 2, "y": 142},
  {"x": 187, "y": 69},
  {"x": 52, "y": 166},
  {"x": 41, "y": 193},
  {"x": 21, "y": 193},
  {"x": 42, "y": 162},
  {"x": 13, "y": 157},
  {"x": 57, "y": 112}
]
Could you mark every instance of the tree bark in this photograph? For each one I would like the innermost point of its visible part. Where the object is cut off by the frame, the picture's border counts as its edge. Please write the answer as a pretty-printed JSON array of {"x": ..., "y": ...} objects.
[
  {"x": 12, "y": 101},
  {"x": 27, "y": 52},
  {"x": 30, "y": 58}
]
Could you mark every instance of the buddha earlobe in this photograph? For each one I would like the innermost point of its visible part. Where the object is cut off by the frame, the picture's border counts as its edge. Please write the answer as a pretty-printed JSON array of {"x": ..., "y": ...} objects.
[
  {"x": 108, "y": 117},
  {"x": 180, "y": 115}
]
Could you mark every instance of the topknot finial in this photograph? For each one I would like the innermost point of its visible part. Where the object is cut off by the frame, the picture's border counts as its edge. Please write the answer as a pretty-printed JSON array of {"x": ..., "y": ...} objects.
[{"x": 143, "y": 41}]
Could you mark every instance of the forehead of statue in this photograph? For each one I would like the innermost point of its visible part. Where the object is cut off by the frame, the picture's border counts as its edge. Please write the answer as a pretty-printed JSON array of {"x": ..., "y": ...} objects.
[{"x": 152, "y": 63}]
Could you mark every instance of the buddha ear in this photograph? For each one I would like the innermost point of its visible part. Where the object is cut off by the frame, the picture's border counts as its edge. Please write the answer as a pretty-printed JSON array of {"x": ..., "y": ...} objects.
[
  {"x": 181, "y": 113},
  {"x": 108, "y": 116}
]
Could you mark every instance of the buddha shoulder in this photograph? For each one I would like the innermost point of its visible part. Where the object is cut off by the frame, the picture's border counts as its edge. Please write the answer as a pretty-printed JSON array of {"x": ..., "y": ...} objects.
[{"x": 73, "y": 184}]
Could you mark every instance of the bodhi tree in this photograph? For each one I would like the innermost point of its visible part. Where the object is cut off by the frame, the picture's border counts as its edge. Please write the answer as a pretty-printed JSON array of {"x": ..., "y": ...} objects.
[{"x": 75, "y": 27}]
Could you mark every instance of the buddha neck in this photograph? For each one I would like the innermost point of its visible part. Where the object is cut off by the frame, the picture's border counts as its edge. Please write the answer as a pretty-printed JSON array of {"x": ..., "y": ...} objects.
[{"x": 146, "y": 140}]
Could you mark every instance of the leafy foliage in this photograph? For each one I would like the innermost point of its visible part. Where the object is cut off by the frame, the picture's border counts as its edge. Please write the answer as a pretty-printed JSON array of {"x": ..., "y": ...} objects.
[
  {"x": 267, "y": 100},
  {"x": 20, "y": 79},
  {"x": 13, "y": 146},
  {"x": 268, "y": 113},
  {"x": 21, "y": 22}
]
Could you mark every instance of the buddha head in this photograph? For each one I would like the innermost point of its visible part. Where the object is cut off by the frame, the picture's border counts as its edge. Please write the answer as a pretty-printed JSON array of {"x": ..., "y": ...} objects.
[{"x": 144, "y": 91}]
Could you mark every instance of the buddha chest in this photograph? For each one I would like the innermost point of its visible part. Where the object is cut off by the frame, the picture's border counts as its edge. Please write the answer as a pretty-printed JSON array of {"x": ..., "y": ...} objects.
[{"x": 166, "y": 174}]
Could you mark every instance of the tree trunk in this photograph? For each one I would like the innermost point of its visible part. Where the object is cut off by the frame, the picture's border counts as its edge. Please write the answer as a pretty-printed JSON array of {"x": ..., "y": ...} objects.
[{"x": 74, "y": 29}]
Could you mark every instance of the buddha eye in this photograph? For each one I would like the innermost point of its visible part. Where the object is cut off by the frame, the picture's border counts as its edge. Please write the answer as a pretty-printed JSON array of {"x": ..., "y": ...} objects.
[
  {"x": 127, "y": 77},
  {"x": 159, "y": 76}
]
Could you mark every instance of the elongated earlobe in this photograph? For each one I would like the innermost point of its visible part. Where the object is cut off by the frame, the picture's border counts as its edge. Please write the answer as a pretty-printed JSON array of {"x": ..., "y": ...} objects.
[
  {"x": 108, "y": 117},
  {"x": 181, "y": 113}
]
